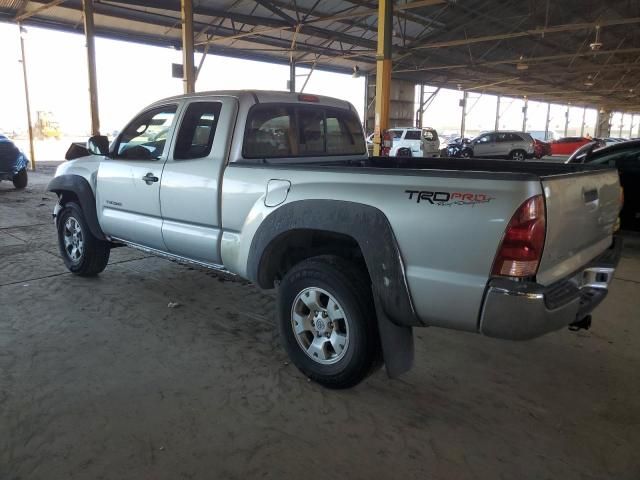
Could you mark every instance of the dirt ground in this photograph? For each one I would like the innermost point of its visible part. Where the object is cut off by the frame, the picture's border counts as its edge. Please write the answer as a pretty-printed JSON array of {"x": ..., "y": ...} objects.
[{"x": 100, "y": 380}]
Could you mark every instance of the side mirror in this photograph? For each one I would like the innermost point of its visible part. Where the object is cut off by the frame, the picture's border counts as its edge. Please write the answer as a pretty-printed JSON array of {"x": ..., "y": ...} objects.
[{"x": 98, "y": 145}]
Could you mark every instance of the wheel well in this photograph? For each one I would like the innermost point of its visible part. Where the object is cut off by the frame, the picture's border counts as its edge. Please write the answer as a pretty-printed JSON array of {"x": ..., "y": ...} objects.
[
  {"x": 66, "y": 196},
  {"x": 291, "y": 247}
]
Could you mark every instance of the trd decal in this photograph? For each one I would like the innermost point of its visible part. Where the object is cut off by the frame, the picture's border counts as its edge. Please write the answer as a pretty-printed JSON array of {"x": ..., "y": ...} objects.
[{"x": 448, "y": 198}]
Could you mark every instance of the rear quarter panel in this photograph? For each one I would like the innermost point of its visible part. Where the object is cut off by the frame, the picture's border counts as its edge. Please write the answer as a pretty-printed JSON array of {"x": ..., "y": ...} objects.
[{"x": 447, "y": 247}]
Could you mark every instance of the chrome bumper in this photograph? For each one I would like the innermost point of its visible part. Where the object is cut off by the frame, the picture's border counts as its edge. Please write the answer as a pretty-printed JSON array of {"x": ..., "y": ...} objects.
[{"x": 523, "y": 310}]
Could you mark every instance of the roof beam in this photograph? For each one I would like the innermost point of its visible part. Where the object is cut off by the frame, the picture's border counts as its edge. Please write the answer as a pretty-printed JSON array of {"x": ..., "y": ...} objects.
[
  {"x": 514, "y": 61},
  {"x": 529, "y": 33},
  {"x": 41, "y": 8}
]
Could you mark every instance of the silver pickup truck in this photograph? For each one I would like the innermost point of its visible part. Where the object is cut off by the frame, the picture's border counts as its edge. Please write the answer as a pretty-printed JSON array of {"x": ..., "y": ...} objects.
[{"x": 277, "y": 188}]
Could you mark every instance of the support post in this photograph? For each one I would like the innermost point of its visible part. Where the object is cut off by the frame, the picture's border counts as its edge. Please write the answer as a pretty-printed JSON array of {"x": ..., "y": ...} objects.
[
  {"x": 631, "y": 126},
  {"x": 464, "y": 113},
  {"x": 584, "y": 113},
  {"x": 32, "y": 154},
  {"x": 566, "y": 121},
  {"x": 292, "y": 76},
  {"x": 621, "y": 123},
  {"x": 546, "y": 124},
  {"x": 603, "y": 123},
  {"x": 420, "y": 111},
  {"x": 188, "y": 74},
  {"x": 383, "y": 72},
  {"x": 524, "y": 114},
  {"x": 87, "y": 6},
  {"x": 497, "y": 126}
]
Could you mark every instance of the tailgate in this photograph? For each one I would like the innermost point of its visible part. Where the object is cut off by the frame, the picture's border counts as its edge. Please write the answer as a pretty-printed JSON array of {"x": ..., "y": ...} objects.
[{"x": 582, "y": 209}]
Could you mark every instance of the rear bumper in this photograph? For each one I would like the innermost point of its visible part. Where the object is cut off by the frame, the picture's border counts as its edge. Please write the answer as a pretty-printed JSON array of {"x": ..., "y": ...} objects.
[{"x": 523, "y": 310}]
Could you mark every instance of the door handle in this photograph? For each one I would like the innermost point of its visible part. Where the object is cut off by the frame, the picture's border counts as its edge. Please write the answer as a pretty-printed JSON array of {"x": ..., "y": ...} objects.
[{"x": 150, "y": 178}]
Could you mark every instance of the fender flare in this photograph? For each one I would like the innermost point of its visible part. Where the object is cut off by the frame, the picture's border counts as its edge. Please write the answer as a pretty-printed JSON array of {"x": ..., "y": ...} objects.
[
  {"x": 80, "y": 187},
  {"x": 371, "y": 230}
]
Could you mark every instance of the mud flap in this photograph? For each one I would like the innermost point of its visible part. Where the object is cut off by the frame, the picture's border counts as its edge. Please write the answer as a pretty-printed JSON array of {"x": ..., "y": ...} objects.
[{"x": 397, "y": 343}]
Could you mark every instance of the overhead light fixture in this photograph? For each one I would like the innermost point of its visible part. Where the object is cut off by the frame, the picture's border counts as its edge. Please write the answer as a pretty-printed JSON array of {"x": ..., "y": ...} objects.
[
  {"x": 597, "y": 44},
  {"x": 631, "y": 93},
  {"x": 521, "y": 65},
  {"x": 356, "y": 72},
  {"x": 589, "y": 81}
]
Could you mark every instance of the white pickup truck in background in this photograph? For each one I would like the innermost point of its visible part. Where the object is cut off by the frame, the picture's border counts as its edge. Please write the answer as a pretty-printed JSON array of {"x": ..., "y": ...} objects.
[{"x": 278, "y": 188}]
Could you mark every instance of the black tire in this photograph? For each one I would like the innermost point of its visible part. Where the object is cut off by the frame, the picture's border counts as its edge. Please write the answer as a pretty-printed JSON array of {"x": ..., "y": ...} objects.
[
  {"x": 465, "y": 153},
  {"x": 519, "y": 155},
  {"x": 95, "y": 253},
  {"x": 20, "y": 179},
  {"x": 350, "y": 288}
]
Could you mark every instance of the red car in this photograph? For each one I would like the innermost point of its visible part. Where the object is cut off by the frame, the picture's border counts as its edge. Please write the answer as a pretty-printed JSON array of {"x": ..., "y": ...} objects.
[
  {"x": 568, "y": 145},
  {"x": 540, "y": 148}
]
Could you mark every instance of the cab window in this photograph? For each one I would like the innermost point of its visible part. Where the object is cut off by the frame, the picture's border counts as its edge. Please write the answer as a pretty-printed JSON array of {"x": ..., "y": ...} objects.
[
  {"x": 146, "y": 136},
  {"x": 269, "y": 132},
  {"x": 311, "y": 131},
  {"x": 344, "y": 133},
  {"x": 280, "y": 131},
  {"x": 197, "y": 130}
]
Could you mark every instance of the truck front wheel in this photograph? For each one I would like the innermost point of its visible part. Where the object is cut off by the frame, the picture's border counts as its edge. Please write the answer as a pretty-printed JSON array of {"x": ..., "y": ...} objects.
[
  {"x": 82, "y": 253},
  {"x": 327, "y": 321}
]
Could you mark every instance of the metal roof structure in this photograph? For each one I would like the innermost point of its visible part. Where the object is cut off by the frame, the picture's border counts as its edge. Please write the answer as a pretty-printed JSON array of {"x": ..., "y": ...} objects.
[{"x": 583, "y": 52}]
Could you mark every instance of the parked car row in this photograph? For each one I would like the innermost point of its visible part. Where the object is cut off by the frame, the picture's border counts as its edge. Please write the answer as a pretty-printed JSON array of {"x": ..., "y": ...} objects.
[{"x": 500, "y": 144}]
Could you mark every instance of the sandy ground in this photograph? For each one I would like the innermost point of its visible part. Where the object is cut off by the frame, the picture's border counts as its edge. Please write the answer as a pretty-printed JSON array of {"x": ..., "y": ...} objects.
[{"x": 100, "y": 380}]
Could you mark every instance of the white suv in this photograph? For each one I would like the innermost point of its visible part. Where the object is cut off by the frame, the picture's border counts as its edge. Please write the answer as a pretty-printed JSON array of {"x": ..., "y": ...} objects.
[{"x": 423, "y": 142}]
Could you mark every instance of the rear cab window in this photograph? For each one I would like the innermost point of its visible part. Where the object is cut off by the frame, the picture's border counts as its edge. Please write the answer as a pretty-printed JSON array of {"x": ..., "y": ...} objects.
[{"x": 284, "y": 131}]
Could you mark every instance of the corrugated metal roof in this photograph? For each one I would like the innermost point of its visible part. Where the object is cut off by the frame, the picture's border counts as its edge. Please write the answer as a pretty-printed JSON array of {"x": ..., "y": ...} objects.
[{"x": 517, "y": 47}]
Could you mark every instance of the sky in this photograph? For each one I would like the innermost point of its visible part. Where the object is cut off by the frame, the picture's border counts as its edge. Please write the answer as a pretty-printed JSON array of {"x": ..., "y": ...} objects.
[{"x": 131, "y": 76}]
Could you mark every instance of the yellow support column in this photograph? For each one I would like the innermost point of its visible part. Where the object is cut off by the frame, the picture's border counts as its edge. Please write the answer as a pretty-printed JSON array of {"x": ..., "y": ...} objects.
[
  {"x": 188, "y": 74},
  {"x": 87, "y": 6},
  {"x": 383, "y": 72}
]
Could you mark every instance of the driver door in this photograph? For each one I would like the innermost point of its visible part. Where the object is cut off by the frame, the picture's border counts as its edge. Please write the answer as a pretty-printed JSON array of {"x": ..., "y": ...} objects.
[{"x": 128, "y": 184}]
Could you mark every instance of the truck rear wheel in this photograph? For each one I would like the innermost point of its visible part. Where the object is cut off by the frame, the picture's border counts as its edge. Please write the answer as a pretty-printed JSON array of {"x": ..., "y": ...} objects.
[
  {"x": 82, "y": 253},
  {"x": 327, "y": 321}
]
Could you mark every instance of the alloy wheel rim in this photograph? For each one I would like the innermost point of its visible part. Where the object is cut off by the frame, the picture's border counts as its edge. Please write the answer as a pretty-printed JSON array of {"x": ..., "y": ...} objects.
[
  {"x": 320, "y": 325},
  {"x": 73, "y": 239}
]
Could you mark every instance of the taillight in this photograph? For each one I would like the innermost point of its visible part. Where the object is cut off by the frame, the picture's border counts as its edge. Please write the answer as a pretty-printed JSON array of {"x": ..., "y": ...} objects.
[{"x": 521, "y": 248}]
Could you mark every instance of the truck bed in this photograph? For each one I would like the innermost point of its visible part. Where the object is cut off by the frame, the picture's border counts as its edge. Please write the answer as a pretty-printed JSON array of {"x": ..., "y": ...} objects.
[
  {"x": 529, "y": 169},
  {"x": 451, "y": 167}
]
